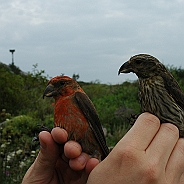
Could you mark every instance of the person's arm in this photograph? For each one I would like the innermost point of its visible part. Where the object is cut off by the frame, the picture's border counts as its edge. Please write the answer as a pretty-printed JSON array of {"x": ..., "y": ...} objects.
[
  {"x": 58, "y": 162},
  {"x": 149, "y": 153}
]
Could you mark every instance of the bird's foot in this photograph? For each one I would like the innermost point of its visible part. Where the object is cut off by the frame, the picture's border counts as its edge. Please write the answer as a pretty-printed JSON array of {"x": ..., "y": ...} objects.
[
  {"x": 133, "y": 118},
  {"x": 40, "y": 129}
]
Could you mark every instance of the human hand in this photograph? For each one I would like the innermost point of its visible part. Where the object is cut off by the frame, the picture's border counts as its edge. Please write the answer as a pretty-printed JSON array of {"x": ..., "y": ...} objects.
[
  {"x": 59, "y": 161},
  {"x": 149, "y": 153}
]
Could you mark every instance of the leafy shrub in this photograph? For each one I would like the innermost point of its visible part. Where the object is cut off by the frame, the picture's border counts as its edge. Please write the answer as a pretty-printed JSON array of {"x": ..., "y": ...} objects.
[
  {"x": 21, "y": 93},
  {"x": 17, "y": 149}
]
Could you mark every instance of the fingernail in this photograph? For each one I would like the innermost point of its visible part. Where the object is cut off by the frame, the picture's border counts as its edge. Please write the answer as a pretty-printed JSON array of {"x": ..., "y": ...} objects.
[{"x": 82, "y": 159}]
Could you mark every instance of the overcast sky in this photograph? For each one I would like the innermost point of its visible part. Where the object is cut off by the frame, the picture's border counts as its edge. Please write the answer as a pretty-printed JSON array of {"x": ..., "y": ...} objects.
[{"x": 90, "y": 38}]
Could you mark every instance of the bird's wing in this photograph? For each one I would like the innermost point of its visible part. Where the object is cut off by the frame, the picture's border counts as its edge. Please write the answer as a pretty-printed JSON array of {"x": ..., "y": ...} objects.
[
  {"x": 89, "y": 111},
  {"x": 174, "y": 89}
]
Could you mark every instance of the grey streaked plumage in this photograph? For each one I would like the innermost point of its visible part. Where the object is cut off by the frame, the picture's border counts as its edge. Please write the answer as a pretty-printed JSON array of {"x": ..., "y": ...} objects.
[{"x": 159, "y": 92}]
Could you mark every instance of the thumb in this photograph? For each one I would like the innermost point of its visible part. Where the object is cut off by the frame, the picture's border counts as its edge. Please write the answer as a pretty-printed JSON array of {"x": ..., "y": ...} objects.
[
  {"x": 49, "y": 152},
  {"x": 41, "y": 170}
]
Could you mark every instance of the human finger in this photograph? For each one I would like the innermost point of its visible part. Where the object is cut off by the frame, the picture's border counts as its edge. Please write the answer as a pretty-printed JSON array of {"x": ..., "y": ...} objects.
[
  {"x": 49, "y": 150},
  {"x": 79, "y": 163},
  {"x": 91, "y": 164},
  {"x": 84, "y": 161},
  {"x": 142, "y": 132},
  {"x": 72, "y": 149},
  {"x": 175, "y": 166},
  {"x": 42, "y": 168},
  {"x": 59, "y": 135},
  {"x": 163, "y": 143}
]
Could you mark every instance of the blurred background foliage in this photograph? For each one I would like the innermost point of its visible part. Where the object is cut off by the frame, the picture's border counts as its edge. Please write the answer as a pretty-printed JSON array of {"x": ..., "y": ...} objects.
[{"x": 23, "y": 112}]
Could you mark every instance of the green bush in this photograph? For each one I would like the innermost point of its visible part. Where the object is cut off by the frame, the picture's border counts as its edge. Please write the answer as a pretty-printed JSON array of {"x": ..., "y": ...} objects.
[
  {"x": 17, "y": 148},
  {"x": 21, "y": 93}
]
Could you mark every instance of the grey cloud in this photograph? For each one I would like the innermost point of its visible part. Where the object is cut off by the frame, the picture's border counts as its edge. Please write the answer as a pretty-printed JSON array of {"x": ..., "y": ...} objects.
[{"x": 92, "y": 39}]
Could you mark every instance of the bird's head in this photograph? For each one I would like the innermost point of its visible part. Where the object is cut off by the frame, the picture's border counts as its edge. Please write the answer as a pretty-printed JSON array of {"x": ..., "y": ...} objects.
[
  {"x": 60, "y": 86},
  {"x": 143, "y": 65}
]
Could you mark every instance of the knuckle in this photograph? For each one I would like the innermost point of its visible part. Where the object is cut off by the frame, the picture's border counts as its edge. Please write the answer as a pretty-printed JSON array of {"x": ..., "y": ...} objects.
[
  {"x": 127, "y": 154},
  {"x": 151, "y": 172}
]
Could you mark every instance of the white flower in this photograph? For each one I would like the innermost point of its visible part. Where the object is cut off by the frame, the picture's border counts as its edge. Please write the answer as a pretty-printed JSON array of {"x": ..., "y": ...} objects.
[
  {"x": 33, "y": 153},
  {"x": 22, "y": 164},
  {"x": 18, "y": 152},
  {"x": 8, "y": 158},
  {"x": 3, "y": 145},
  {"x": 12, "y": 154}
]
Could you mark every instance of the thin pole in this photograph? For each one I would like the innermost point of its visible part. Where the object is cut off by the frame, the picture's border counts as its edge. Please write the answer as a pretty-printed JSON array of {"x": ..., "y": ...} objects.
[{"x": 12, "y": 51}]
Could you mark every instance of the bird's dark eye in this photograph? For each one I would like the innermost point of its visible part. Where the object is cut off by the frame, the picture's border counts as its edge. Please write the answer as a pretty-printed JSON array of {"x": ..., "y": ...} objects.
[
  {"x": 59, "y": 84},
  {"x": 62, "y": 83},
  {"x": 138, "y": 61}
]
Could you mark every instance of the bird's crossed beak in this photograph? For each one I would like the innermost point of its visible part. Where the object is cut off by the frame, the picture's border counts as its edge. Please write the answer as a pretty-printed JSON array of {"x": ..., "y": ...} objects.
[
  {"x": 125, "y": 68},
  {"x": 50, "y": 91}
]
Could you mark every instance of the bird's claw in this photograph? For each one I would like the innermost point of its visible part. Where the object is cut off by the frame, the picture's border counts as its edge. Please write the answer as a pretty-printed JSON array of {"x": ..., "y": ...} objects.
[
  {"x": 133, "y": 118},
  {"x": 40, "y": 129}
]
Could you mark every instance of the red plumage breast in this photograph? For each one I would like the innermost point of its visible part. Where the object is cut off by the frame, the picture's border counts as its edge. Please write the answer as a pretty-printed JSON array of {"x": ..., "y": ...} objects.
[{"x": 69, "y": 116}]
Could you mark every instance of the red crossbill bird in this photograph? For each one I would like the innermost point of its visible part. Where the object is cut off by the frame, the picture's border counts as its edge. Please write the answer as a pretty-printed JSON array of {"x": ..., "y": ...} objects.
[
  {"x": 159, "y": 93},
  {"x": 75, "y": 112}
]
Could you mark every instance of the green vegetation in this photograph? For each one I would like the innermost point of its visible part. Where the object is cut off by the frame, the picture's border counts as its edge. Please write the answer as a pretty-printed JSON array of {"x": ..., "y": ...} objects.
[{"x": 23, "y": 111}]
